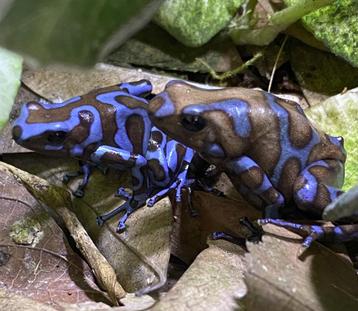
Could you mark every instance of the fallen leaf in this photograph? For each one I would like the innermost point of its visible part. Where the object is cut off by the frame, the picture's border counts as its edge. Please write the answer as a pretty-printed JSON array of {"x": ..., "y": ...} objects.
[
  {"x": 44, "y": 266},
  {"x": 214, "y": 281},
  {"x": 276, "y": 277}
]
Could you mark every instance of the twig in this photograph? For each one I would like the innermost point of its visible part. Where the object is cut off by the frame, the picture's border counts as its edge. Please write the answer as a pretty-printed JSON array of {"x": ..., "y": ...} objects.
[
  {"x": 276, "y": 62},
  {"x": 229, "y": 74}
]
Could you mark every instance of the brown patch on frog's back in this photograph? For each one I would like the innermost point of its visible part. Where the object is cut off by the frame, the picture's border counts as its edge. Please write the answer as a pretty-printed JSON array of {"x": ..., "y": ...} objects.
[
  {"x": 130, "y": 102},
  {"x": 156, "y": 168},
  {"x": 299, "y": 127},
  {"x": 290, "y": 171},
  {"x": 264, "y": 146},
  {"x": 156, "y": 103},
  {"x": 183, "y": 94},
  {"x": 135, "y": 129}
]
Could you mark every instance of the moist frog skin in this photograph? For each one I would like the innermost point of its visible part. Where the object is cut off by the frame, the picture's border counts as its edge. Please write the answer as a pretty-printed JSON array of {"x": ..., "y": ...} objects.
[
  {"x": 272, "y": 153},
  {"x": 110, "y": 127}
]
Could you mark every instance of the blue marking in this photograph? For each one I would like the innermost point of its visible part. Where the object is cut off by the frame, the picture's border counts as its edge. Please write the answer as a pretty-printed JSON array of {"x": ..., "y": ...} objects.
[
  {"x": 242, "y": 164},
  {"x": 36, "y": 129},
  {"x": 308, "y": 192},
  {"x": 215, "y": 150},
  {"x": 237, "y": 109},
  {"x": 167, "y": 109},
  {"x": 122, "y": 114},
  {"x": 53, "y": 148},
  {"x": 137, "y": 89},
  {"x": 338, "y": 231},
  {"x": 287, "y": 149}
]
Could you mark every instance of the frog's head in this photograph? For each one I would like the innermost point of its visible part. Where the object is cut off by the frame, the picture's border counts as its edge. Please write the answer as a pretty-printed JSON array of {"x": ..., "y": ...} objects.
[
  {"x": 195, "y": 117},
  {"x": 58, "y": 129}
]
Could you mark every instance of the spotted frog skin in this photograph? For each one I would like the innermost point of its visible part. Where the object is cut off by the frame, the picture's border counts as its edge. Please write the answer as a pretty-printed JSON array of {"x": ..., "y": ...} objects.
[
  {"x": 109, "y": 127},
  {"x": 271, "y": 152}
]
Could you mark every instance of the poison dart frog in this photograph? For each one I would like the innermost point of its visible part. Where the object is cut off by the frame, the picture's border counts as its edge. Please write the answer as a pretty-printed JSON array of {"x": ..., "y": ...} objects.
[
  {"x": 110, "y": 127},
  {"x": 274, "y": 156}
]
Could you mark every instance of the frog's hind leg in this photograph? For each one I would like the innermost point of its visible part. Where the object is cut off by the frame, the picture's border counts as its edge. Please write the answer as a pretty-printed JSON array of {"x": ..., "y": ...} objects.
[
  {"x": 254, "y": 184},
  {"x": 332, "y": 234},
  {"x": 318, "y": 185}
]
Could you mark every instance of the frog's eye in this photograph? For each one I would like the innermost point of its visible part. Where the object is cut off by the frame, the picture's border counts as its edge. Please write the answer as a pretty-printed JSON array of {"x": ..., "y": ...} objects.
[
  {"x": 56, "y": 137},
  {"x": 193, "y": 123}
]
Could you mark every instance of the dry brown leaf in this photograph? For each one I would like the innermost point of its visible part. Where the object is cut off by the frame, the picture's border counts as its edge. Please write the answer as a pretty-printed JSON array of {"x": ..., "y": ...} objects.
[
  {"x": 276, "y": 277},
  {"x": 214, "y": 214},
  {"x": 213, "y": 282},
  {"x": 44, "y": 267}
]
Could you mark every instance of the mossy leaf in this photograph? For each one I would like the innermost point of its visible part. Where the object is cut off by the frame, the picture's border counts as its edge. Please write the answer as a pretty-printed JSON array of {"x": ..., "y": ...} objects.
[
  {"x": 338, "y": 116},
  {"x": 337, "y": 26}
]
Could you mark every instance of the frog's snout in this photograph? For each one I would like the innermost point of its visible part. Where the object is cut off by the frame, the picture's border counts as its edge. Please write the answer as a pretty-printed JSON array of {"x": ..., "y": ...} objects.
[{"x": 16, "y": 133}]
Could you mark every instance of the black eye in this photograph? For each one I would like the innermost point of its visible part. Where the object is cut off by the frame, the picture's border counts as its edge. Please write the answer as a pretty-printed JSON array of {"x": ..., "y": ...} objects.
[
  {"x": 56, "y": 137},
  {"x": 193, "y": 123}
]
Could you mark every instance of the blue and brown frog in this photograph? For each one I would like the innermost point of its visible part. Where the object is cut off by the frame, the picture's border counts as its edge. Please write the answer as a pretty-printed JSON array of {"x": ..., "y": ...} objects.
[
  {"x": 110, "y": 127},
  {"x": 272, "y": 153}
]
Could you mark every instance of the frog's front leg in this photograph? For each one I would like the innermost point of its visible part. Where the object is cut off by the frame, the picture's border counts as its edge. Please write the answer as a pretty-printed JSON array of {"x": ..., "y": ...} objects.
[
  {"x": 85, "y": 170},
  {"x": 246, "y": 173},
  {"x": 181, "y": 172},
  {"x": 117, "y": 157},
  {"x": 121, "y": 159},
  {"x": 314, "y": 189},
  {"x": 180, "y": 182}
]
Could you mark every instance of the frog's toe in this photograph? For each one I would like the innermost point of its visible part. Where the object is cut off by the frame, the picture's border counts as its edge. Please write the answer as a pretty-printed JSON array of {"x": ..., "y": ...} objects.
[
  {"x": 100, "y": 221},
  {"x": 79, "y": 193},
  {"x": 151, "y": 202},
  {"x": 123, "y": 193},
  {"x": 254, "y": 231},
  {"x": 219, "y": 235}
]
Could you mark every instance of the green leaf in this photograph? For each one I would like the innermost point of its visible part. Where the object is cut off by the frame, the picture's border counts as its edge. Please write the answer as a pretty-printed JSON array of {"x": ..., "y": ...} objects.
[
  {"x": 194, "y": 23},
  {"x": 10, "y": 73},
  {"x": 338, "y": 116},
  {"x": 72, "y": 31},
  {"x": 337, "y": 26},
  {"x": 279, "y": 21}
]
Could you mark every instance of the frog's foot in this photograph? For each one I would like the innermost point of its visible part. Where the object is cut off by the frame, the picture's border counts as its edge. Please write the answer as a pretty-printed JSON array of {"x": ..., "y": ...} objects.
[
  {"x": 311, "y": 232},
  {"x": 203, "y": 186},
  {"x": 79, "y": 192},
  {"x": 121, "y": 224},
  {"x": 253, "y": 231},
  {"x": 230, "y": 238},
  {"x": 330, "y": 234},
  {"x": 123, "y": 193},
  {"x": 128, "y": 207},
  {"x": 162, "y": 193},
  {"x": 70, "y": 175}
]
